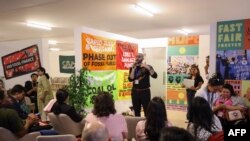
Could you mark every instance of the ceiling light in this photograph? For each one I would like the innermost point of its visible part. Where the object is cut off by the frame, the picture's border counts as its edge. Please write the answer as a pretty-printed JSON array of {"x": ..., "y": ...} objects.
[
  {"x": 38, "y": 25},
  {"x": 183, "y": 32},
  {"x": 149, "y": 7},
  {"x": 54, "y": 49},
  {"x": 52, "y": 42},
  {"x": 143, "y": 10}
]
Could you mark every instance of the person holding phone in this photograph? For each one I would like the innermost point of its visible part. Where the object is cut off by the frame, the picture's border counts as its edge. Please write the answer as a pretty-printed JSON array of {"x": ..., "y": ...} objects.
[{"x": 140, "y": 74}]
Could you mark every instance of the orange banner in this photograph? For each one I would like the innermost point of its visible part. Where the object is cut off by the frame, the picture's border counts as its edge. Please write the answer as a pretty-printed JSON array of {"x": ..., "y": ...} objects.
[
  {"x": 98, "y": 53},
  {"x": 183, "y": 40}
]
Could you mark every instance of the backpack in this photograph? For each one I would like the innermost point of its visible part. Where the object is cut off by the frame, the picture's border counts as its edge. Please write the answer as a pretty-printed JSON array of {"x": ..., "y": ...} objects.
[{"x": 218, "y": 136}]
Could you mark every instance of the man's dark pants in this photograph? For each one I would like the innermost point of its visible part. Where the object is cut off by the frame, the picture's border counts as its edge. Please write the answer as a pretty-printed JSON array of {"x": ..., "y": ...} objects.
[{"x": 140, "y": 97}]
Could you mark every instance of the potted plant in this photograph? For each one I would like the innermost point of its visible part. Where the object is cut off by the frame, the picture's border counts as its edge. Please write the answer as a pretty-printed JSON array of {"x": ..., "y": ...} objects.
[{"x": 77, "y": 89}]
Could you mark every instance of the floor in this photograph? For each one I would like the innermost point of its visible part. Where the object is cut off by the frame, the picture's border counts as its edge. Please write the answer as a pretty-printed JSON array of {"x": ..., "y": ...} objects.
[{"x": 177, "y": 118}]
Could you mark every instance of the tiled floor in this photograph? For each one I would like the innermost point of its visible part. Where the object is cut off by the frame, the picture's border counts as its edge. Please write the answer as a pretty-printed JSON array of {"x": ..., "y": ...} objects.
[{"x": 177, "y": 118}]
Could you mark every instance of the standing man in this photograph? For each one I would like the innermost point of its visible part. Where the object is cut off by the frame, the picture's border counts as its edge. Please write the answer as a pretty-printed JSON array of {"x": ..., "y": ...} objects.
[{"x": 140, "y": 74}]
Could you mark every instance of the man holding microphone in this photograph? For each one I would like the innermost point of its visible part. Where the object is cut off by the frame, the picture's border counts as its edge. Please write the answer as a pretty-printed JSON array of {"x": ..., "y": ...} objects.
[{"x": 140, "y": 74}]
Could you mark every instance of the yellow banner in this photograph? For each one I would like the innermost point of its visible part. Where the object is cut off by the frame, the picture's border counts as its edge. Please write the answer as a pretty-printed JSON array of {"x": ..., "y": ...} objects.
[{"x": 123, "y": 85}]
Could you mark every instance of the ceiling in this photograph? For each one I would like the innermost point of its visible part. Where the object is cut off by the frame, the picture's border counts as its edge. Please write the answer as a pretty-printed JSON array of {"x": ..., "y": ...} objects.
[{"x": 116, "y": 16}]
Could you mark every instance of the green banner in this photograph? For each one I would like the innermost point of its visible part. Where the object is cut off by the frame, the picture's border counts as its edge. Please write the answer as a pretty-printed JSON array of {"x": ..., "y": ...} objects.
[
  {"x": 67, "y": 64},
  {"x": 101, "y": 81},
  {"x": 230, "y": 35},
  {"x": 183, "y": 50}
]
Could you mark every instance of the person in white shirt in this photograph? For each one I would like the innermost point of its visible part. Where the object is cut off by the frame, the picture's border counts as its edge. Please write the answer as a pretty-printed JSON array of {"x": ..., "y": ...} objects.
[{"x": 211, "y": 91}]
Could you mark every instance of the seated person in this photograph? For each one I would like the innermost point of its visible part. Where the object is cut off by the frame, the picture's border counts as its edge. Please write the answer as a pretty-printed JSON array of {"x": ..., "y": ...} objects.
[
  {"x": 95, "y": 131},
  {"x": 150, "y": 128},
  {"x": 202, "y": 124},
  {"x": 231, "y": 102},
  {"x": 104, "y": 111},
  {"x": 60, "y": 106},
  {"x": 10, "y": 120},
  {"x": 16, "y": 101},
  {"x": 224, "y": 99},
  {"x": 175, "y": 134}
]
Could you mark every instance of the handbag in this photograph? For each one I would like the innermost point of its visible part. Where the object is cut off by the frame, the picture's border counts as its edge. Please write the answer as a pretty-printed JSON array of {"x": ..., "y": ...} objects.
[{"x": 234, "y": 115}]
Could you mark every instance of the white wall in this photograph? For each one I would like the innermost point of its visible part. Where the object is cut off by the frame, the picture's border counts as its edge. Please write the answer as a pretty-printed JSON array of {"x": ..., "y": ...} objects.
[
  {"x": 204, "y": 45},
  {"x": 155, "y": 50},
  {"x": 212, "y": 48},
  {"x": 12, "y": 46},
  {"x": 54, "y": 63}
]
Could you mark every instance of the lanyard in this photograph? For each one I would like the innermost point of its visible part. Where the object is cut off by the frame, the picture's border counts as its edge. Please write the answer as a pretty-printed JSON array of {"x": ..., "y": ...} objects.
[
  {"x": 210, "y": 98},
  {"x": 137, "y": 72}
]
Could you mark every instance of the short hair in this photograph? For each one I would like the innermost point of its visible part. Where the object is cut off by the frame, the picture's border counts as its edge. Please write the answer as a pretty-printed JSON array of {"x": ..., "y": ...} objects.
[
  {"x": 61, "y": 95},
  {"x": 104, "y": 104},
  {"x": 17, "y": 89},
  {"x": 33, "y": 74},
  {"x": 175, "y": 134},
  {"x": 95, "y": 131},
  {"x": 230, "y": 88},
  {"x": 42, "y": 69},
  {"x": 216, "y": 80}
]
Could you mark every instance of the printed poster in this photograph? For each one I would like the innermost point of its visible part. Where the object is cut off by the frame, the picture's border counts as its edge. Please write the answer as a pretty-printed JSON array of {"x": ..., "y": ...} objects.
[
  {"x": 67, "y": 64},
  {"x": 126, "y": 54},
  {"x": 21, "y": 62},
  {"x": 182, "y": 53},
  {"x": 101, "y": 81},
  {"x": 245, "y": 88},
  {"x": 230, "y": 35},
  {"x": 98, "y": 53},
  {"x": 233, "y": 54},
  {"x": 233, "y": 64},
  {"x": 124, "y": 87}
]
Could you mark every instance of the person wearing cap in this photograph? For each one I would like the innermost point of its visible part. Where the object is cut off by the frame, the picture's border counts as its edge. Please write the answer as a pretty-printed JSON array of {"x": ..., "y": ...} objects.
[{"x": 140, "y": 74}]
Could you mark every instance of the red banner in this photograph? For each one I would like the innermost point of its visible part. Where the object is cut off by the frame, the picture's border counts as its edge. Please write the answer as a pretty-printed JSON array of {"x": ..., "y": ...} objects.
[
  {"x": 247, "y": 34},
  {"x": 21, "y": 62},
  {"x": 126, "y": 54}
]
